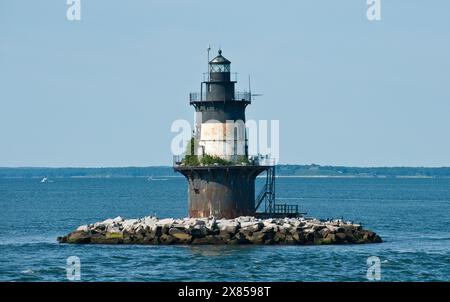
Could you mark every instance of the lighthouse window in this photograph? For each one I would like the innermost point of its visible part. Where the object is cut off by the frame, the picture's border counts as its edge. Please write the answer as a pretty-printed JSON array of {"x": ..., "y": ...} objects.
[{"x": 220, "y": 67}]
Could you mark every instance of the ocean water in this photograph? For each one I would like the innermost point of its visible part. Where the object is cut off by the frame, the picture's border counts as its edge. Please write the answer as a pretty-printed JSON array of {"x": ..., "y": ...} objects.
[{"x": 411, "y": 215}]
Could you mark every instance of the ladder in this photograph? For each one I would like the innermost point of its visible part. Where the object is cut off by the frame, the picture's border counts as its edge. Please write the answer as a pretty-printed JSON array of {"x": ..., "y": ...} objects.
[{"x": 267, "y": 193}]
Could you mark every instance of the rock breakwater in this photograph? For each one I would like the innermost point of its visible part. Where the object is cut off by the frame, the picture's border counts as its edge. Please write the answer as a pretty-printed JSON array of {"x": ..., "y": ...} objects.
[{"x": 241, "y": 230}]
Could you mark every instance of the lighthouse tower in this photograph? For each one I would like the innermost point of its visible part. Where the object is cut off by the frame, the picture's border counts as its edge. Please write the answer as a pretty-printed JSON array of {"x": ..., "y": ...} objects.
[
  {"x": 221, "y": 114},
  {"x": 220, "y": 172}
]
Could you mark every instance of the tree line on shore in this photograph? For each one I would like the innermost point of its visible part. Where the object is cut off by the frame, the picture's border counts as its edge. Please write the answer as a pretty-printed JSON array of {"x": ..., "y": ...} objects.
[{"x": 282, "y": 170}]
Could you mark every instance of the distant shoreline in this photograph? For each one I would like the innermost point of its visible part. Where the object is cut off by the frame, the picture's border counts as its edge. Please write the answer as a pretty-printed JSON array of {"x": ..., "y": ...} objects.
[{"x": 285, "y": 171}]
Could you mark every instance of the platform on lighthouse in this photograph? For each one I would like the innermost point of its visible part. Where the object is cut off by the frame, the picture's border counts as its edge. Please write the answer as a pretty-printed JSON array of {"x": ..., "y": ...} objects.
[
  {"x": 195, "y": 161},
  {"x": 239, "y": 96}
]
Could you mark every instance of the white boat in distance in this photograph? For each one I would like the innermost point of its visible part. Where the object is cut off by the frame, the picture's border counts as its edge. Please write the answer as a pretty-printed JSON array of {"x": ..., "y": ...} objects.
[{"x": 45, "y": 179}]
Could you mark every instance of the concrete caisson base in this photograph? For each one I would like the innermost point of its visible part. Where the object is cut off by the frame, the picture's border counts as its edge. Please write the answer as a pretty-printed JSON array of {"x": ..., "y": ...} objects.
[{"x": 221, "y": 191}]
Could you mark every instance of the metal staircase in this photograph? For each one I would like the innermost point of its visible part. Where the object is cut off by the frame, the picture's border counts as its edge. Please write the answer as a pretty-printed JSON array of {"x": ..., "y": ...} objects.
[{"x": 267, "y": 195}]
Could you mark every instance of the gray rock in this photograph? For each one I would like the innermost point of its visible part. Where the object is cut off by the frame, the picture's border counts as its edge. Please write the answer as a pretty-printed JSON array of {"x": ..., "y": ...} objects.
[
  {"x": 253, "y": 226},
  {"x": 257, "y": 238},
  {"x": 241, "y": 230},
  {"x": 198, "y": 231},
  {"x": 180, "y": 235},
  {"x": 117, "y": 219},
  {"x": 229, "y": 226},
  {"x": 340, "y": 237},
  {"x": 211, "y": 224},
  {"x": 83, "y": 228},
  {"x": 207, "y": 240},
  {"x": 165, "y": 222}
]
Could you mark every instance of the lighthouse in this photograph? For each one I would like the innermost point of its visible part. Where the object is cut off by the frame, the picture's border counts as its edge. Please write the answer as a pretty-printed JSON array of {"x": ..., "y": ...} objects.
[{"x": 220, "y": 173}]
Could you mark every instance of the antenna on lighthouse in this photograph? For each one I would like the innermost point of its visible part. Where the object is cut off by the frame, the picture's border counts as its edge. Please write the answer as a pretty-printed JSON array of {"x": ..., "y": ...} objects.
[
  {"x": 208, "y": 50},
  {"x": 250, "y": 89}
]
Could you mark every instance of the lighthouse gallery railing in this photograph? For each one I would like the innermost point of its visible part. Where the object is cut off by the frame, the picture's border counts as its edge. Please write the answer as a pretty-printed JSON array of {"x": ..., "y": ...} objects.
[{"x": 238, "y": 96}]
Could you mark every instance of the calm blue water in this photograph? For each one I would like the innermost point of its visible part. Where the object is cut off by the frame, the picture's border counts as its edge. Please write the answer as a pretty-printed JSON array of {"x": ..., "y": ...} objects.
[{"x": 411, "y": 215}]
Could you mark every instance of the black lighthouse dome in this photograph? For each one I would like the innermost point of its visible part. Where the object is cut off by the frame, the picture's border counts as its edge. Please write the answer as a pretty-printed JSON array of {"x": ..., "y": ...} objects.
[
  {"x": 219, "y": 87},
  {"x": 219, "y": 64}
]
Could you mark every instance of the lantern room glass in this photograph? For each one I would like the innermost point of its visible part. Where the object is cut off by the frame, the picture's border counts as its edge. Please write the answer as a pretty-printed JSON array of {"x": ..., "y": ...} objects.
[{"x": 219, "y": 67}]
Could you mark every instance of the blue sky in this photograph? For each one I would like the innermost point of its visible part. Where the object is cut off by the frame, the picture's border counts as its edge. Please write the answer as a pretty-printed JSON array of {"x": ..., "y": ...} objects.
[{"x": 104, "y": 91}]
